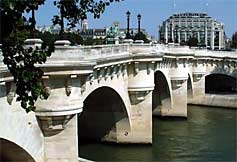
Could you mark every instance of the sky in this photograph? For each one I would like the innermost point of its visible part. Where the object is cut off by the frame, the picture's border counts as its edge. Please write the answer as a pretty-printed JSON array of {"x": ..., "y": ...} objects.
[{"x": 153, "y": 12}]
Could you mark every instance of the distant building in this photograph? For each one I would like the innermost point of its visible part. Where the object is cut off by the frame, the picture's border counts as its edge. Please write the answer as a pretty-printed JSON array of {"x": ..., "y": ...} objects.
[
  {"x": 54, "y": 29},
  {"x": 84, "y": 24},
  {"x": 86, "y": 33},
  {"x": 93, "y": 34},
  {"x": 179, "y": 28}
]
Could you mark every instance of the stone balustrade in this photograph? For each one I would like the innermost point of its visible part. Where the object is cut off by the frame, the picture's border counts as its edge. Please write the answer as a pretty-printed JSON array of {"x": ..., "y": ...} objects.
[
  {"x": 215, "y": 54},
  {"x": 85, "y": 53}
]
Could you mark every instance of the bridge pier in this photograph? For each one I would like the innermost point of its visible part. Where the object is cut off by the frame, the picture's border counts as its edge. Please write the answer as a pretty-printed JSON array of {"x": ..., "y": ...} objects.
[
  {"x": 60, "y": 144},
  {"x": 57, "y": 117},
  {"x": 179, "y": 77},
  {"x": 199, "y": 70},
  {"x": 179, "y": 98},
  {"x": 140, "y": 87}
]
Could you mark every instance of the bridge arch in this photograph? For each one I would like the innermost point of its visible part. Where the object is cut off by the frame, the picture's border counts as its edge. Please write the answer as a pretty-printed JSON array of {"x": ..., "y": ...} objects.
[
  {"x": 224, "y": 70},
  {"x": 161, "y": 95},
  {"x": 104, "y": 117},
  {"x": 21, "y": 135},
  {"x": 10, "y": 151},
  {"x": 220, "y": 83},
  {"x": 19, "y": 131},
  {"x": 190, "y": 86}
]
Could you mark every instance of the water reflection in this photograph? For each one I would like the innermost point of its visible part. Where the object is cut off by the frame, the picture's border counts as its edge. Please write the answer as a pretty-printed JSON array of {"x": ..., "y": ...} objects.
[{"x": 209, "y": 134}]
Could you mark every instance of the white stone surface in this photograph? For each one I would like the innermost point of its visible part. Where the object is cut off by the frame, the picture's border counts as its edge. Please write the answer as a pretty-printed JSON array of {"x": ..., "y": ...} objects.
[{"x": 74, "y": 72}]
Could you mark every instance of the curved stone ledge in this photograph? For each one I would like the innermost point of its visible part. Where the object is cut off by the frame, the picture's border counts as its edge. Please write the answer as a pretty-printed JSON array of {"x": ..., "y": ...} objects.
[
  {"x": 138, "y": 89},
  {"x": 59, "y": 113}
]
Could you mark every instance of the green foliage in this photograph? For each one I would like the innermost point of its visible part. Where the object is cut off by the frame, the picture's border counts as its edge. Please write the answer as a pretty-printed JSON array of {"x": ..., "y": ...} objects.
[
  {"x": 11, "y": 13},
  {"x": 15, "y": 28},
  {"x": 49, "y": 38},
  {"x": 193, "y": 42},
  {"x": 90, "y": 41},
  {"x": 141, "y": 36},
  {"x": 75, "y": 10},
  {"x": 21, "y": 63}
]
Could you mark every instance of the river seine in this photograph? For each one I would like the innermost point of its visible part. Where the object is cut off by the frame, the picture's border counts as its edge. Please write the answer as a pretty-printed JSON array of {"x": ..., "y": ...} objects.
[{"x": 209, "y": 134}]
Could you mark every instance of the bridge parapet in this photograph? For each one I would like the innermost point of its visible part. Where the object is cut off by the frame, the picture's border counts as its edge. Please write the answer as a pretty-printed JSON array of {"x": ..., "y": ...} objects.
[
  {"x": 231, "y": 55},
  {"x": 175, "y": 50},
  {"x": 103, "y": 51},
  {"x": 142, "y": 49}
]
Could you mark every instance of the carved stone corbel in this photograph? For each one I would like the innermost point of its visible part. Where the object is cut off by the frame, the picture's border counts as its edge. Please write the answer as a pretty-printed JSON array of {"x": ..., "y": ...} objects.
[
  {"x": 45, "y": 80},
  {"x": 136, "y": 67},
  {"x": 10, "y": 87},
  {"x": 107, "y": 72},
  {"x": 184, "y": 63},
  {"x": 82, "y": 79},
  {"x": 197, "y": 76},
  {"x": 119, "y": 67},
  {"x": 113, "y": 71},
  {"x": 155, "y": 65},
  {"x": 211, "y": 62},
  {"x": 124, "y": 69},
  {"x": 91, "y": 78},
  {"x": 176, "y": 62},
  {"x": 203, "y": 62},
  {"x": 195, "y": 62},
  {"x": 52, "y": 125},
  {"x": 177, "y": 83},
  {"x": 137, "y": 96},
  {"x": 99, "y": 74},
  {"x": 68, "y": 84},
  {"x": 233, "y": 64},
  {"x": 229, "y": 64},
  {"x": 68, "y": 87},
  {"x": 150, "y": 67}
]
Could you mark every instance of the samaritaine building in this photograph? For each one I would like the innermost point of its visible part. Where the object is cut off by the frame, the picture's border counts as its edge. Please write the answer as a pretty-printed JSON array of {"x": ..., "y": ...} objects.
[{"x": 179, "y": 28}]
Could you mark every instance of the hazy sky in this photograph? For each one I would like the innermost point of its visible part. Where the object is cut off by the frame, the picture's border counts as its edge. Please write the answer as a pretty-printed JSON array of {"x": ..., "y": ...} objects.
[{"x": 153, "y": 13}]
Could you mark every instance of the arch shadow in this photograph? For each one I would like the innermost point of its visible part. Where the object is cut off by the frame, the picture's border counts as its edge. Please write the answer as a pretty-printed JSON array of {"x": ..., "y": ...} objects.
[
  {"x": 220, "y": 84},
  {"x": 10, "y": 151},
  {"x": 189, "y": 87},
  {"x": 104, "y": 117},
  {"x": 161, "y": 95}
]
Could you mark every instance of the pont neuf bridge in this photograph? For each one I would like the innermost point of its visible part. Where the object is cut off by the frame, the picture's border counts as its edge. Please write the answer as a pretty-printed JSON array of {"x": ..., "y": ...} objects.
[{"x": 106, "y": 92}]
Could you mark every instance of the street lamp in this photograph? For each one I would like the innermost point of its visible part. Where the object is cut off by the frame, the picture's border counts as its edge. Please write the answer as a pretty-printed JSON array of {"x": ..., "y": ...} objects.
[
  {"x": 139, "y": 22},
  {"x": 128, "y": 19}
]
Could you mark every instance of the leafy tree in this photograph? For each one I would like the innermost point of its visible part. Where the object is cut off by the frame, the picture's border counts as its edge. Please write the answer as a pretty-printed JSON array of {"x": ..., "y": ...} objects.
[
  {"x": 74, "y": 38},
  {"x": 141, "y": 36},
  {"x": 49, "y": 38},
  {"x": 15, "y": 28},
  {"x": 193, "y": 42}
]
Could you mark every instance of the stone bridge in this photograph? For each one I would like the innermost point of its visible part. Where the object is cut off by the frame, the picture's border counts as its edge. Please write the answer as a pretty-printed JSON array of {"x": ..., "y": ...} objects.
[{"x": 105, "y": 93}]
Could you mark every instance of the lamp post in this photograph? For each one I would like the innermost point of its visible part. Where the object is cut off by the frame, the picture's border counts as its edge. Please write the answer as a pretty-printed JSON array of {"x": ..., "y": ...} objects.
[
  {"x": 128, "y": 19},
  {"x": 139, "y": 23}
]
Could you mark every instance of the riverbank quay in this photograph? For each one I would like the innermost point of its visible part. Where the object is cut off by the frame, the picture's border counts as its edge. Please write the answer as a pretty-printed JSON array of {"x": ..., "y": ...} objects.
[{"x": 215, "y": 100}]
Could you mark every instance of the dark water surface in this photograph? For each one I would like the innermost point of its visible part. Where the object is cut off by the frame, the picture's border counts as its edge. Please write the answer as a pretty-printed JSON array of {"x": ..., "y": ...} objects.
[{"x": 209, "y": 134}]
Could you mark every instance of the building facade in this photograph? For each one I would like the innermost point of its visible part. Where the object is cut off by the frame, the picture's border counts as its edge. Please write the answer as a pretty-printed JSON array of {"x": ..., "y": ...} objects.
[
  {"x": 103, "y": 33},
  {"x": 179, "y": 28},
  {"x": 93, "y": 34}
]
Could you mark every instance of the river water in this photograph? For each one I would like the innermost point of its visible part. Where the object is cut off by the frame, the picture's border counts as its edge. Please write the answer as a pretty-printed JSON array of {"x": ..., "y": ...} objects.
[{"x": 209, "y": 134}]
